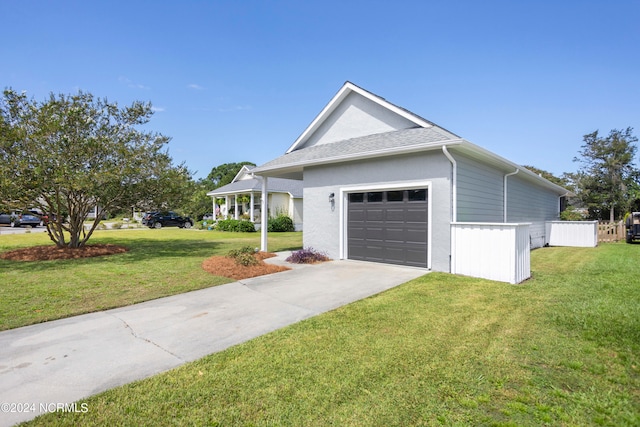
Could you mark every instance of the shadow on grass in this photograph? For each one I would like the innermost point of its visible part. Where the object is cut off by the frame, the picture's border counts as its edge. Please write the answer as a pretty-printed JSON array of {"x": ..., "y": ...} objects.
[{"x": 139, "y": 250}]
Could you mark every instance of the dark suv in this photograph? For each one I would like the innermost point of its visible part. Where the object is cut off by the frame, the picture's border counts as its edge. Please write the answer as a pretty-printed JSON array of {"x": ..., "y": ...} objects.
[{"x": 168, "y": 219}]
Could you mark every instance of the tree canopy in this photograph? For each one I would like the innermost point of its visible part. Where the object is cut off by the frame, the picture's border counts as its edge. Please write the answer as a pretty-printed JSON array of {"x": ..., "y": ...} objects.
[
  {"x": 224, "y": 173},
  {"x": 72, "y": 154},
  {"x": 607, "y": 181}
]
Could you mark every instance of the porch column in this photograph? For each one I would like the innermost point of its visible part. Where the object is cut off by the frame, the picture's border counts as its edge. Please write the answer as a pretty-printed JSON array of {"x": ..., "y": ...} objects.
[
  {"x": 263, "y": 216},
  {"x": 226, "y": 206},
  {"x": 235, "y": 202},
  {"x": 251, "y": 209}
]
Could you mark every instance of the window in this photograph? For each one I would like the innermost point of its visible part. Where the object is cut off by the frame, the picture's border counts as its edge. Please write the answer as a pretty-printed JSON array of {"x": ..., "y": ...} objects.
[
  {"x": 375, "y": 197},
  {"x": 356, "y": 197},
  {"x": 417, "y": 195},
  {"x": 395, "y": 196}
]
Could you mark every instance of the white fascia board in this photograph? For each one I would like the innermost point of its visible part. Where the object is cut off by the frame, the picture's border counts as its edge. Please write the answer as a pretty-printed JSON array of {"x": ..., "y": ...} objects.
[
  {"x": 222, "y": 193},
  {"x": 243, "y": 170},
  {"x": 346, "y": 89},
  {"x": 328, "y": 109}
]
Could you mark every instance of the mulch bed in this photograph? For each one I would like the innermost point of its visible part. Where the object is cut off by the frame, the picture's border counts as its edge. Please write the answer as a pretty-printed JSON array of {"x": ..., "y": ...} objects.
[
  {"x": 227, "y": 267},
  {"x": 51, "y": 252}
]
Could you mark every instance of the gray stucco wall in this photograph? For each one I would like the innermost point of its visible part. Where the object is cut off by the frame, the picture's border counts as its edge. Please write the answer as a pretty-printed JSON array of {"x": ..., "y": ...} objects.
[{"x": 322, "y": 224}]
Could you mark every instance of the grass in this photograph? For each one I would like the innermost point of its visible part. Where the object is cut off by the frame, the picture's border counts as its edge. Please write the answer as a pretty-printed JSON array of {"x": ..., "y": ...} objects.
[
  {"x": 159, "y": 263},
  {"x": 562, "y": 349}
]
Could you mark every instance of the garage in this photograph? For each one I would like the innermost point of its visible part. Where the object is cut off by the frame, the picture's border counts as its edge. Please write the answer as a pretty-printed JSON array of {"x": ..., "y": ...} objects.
[{"x": 388, "y": 226}]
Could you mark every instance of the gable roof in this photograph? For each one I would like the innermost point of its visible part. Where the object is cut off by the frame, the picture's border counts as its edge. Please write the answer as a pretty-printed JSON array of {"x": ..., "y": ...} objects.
[
  {"x": 422, "y": 136},
  {"x": 348, "y": 89}
]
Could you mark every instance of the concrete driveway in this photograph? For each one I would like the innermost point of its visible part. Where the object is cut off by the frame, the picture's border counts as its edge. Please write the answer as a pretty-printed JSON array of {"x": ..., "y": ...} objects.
[{"x": 44, "y": 366}]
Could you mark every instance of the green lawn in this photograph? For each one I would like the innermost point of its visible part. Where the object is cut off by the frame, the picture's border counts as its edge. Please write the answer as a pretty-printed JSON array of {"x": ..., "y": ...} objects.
[
  {"x": 560, "y": 349},
  {"x": 159, "y": 263}
]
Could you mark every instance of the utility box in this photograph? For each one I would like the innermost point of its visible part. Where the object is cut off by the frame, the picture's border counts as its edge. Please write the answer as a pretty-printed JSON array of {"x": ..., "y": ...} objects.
[{"x": 633, "y": 227}]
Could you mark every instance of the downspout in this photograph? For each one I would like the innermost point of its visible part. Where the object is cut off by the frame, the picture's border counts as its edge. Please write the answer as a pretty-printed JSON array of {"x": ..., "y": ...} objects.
[
  {"x": 454, "y": 208},
  {"x": 505, "y": 193},
  {"x": 454, "y": 183},
  {"x": 263, "y": 216}
]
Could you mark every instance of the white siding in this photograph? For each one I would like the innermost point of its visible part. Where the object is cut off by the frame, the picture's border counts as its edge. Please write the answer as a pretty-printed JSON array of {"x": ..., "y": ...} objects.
[
  {"x": 572, "y": 233},
  {"x": 278, "y": 204},
  {"x": 491, "y": 251}
]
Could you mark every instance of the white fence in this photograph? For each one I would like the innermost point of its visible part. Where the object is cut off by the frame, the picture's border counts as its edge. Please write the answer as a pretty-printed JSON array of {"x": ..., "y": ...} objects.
[
  {"x": 495, "y": 251},
  {"x": 572, "y": 233}
]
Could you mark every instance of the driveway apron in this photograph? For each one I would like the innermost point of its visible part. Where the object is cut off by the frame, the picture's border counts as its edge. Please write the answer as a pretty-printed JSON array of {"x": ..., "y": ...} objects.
[{"x": 45, "y": 366}]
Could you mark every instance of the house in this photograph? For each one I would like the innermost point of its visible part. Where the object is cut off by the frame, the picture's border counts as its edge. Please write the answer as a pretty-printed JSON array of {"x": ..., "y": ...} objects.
[
  {"x": 383, "y": 184},
  {"x": 244, "y": 194}
]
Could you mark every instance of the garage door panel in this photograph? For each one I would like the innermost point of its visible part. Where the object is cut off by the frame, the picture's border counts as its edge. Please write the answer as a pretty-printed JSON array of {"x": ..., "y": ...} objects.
[
  {"x": 395, "y": 215},
  {"x": 390, "y": 229}
]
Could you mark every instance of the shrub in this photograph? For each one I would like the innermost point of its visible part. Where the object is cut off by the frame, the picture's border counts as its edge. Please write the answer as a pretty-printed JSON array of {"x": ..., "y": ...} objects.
[
  {"x": 571, "y": 214},
  {"x": 244, "y": 256},
  {"x": 281, "y": 223},
  {"x": 116, "y": 225},
  {"x": 236, "y": 226},
  {"x": 243, "y": 250},
  {"x": 307, "y": 256}
]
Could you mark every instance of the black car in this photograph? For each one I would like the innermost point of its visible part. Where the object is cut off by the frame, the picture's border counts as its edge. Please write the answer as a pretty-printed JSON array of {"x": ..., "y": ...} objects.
[
  {"x": 146, "y": 217},
  {"x": 168, "y": 219}
]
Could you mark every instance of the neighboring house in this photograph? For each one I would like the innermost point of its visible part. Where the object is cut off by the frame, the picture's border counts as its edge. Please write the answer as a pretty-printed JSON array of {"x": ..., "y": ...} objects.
[
  {"x": 383, "y": 184},
  {"x": 243, "y": 197}
]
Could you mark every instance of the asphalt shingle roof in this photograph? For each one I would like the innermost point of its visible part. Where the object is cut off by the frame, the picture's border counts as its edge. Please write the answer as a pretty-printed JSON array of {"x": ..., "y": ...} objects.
[{"x": 354, "y": 147}]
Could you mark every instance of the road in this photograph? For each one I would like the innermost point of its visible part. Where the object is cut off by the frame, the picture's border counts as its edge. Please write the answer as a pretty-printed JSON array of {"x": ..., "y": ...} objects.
[{"x": 5, "y": 229}]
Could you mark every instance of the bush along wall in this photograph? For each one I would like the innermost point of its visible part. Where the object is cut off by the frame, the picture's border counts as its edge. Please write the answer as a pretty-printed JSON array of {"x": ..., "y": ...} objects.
[
  {"x": 235, "y": 225},
  {"x": 281, "y": 223}
]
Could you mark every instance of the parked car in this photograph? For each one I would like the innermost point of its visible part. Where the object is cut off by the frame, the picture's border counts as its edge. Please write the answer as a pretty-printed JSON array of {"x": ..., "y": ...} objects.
[
  {"x": 146, "y": 217},
  {"x": 20, "y": 218},
  {"x": 169, "y": 219}
]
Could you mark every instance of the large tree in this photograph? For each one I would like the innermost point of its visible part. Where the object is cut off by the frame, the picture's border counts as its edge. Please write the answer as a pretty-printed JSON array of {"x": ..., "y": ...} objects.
[
  {"x": 224, "y": 173},
  {"x": 72, "y": 154},
  {"x": 607, "y": 181}
]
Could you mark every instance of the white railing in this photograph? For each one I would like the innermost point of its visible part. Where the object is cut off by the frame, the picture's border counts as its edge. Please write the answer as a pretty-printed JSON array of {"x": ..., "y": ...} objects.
[
  {"x": 572, "y": 233},
  {"x": 495, "y": 251}
]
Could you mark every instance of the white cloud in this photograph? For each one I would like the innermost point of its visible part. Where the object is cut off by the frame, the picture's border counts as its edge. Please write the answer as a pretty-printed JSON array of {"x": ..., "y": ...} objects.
[
  {"x": 131, "y": 84},
  {"x": 195, "y": 86},
  {"x": 236, "y": 108},
  {"x": 158, "y": 109}
]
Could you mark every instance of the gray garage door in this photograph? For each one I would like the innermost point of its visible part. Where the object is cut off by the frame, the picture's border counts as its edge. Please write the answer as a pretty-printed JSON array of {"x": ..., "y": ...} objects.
[{"x": 388, "y": 226}]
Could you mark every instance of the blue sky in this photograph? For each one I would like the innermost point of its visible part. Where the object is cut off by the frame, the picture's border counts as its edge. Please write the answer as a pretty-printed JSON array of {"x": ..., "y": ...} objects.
[{"x": 240, "y": 80}]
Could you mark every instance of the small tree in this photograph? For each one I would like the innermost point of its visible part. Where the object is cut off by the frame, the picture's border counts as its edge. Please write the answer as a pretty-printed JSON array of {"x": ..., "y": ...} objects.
[
  {"x": 73, "y": 154},
  {"x": 608, "y": 179}
]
